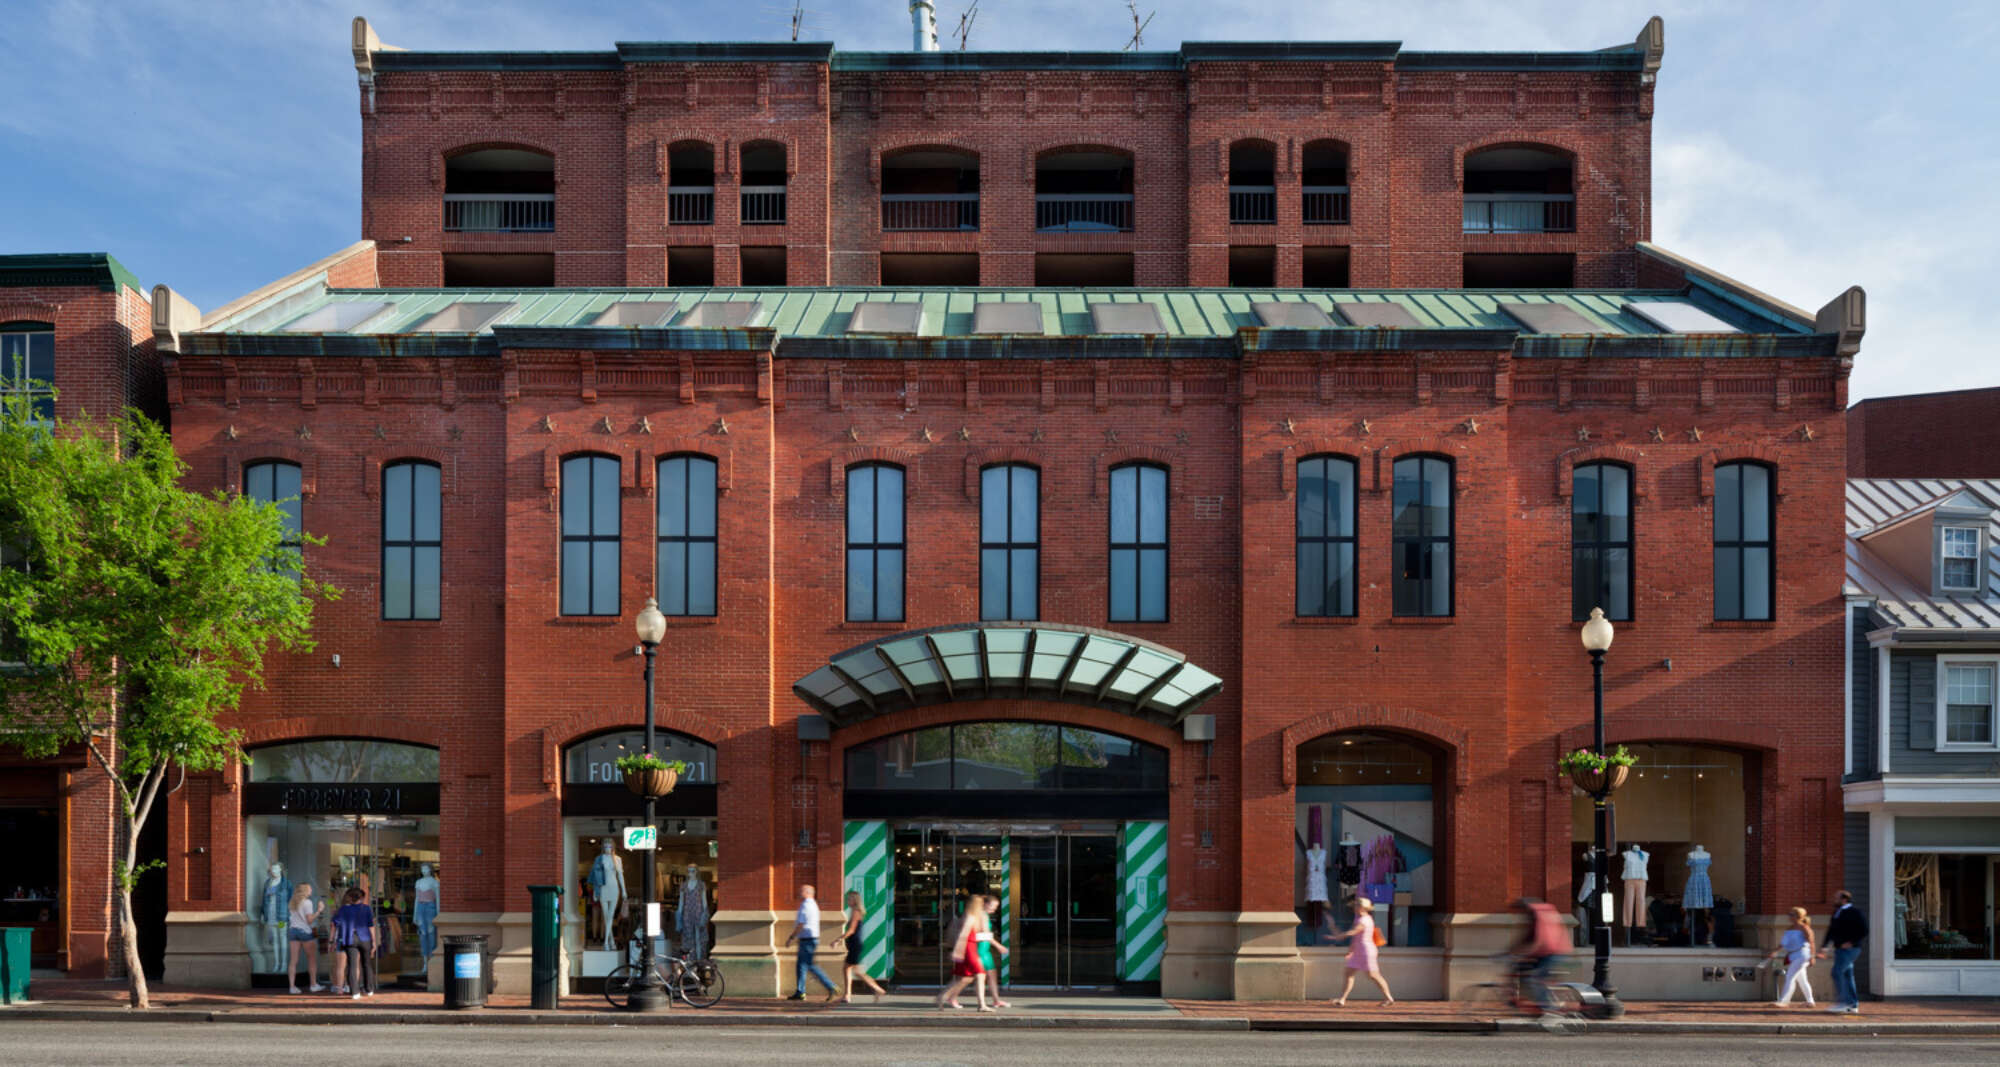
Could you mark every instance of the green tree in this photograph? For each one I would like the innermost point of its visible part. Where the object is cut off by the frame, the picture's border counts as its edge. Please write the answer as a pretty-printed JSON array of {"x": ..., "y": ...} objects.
[{"x": 133, "y": 612}]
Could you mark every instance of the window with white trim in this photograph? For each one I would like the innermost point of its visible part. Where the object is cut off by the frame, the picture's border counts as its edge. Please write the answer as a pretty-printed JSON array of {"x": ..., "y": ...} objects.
[
  {"x": 1958, "y": 557},
  {"x": 1965, "y": 703}
]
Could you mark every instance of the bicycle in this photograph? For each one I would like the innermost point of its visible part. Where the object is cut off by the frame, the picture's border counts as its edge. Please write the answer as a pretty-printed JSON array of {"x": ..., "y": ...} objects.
[
  {"x": 694, "y": 982},
  {"x": 1568, "y": 1004}
]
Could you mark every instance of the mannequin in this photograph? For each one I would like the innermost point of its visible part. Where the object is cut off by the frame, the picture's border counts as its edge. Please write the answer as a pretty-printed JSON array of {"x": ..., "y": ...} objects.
[
  {"x": 1349, "y": 859},
  {"x": 691, "y": 916},
  {"x": 277, "y": 911},
  {"x": 426, "y": 911},
  {"x": 1634, "y": 909},
  {"x": 1699, "y": 896},
  {"x": 607, "y": 885},
  {"x": 1316, "y": 895}
]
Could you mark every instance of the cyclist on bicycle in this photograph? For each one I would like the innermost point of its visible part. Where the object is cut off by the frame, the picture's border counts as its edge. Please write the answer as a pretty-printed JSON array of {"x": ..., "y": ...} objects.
[{"x": 1543, "y": 947}]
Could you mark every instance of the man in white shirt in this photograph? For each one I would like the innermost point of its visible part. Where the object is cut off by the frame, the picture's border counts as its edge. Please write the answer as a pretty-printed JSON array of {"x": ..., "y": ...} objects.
[{"x": 805, "y": 930}]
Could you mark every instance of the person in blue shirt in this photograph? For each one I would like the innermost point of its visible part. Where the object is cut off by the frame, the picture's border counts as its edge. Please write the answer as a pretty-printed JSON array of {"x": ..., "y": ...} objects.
[{"x": 354, "y": 936}]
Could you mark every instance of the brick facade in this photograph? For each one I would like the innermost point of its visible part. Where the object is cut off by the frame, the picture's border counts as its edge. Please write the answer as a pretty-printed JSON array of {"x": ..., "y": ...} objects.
[{"x": 1925, "y": 435}]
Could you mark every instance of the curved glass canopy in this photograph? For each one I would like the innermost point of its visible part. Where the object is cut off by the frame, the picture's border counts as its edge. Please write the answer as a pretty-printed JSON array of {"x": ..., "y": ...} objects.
[{"x": 997, "y": 660}]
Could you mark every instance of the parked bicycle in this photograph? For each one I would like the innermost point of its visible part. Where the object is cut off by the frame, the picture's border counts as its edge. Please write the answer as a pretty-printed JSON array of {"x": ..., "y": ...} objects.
[{"x": 694, "y": 982}]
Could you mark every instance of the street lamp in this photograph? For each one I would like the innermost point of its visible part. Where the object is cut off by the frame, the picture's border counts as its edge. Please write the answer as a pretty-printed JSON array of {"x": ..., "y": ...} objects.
[
  {"x": 647, "y": 993},
  {"x": 1597, "y": 641}
]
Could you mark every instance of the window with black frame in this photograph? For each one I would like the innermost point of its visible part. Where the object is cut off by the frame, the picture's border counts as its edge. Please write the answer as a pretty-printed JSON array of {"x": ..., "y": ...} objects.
[
  {"x": 590, "y": 528},
  {"x": 1010, "y": 543},
  {"x": 1138, "y": 544},
  {"x": 1601, "y": 540},
  {"x": 412, "y": 541},
  {"x": 1005, "y": 756},
  {"x": 1422, "y": 529},
  {"x": 28, "y": 367},
  {"x": 1325, "y": 533},
  {"x": 875, "y": 546},
  {"x": 1745, "y": 542},
  {"x": 278, "y": 482},
  {"x": 686, "y": 533}
]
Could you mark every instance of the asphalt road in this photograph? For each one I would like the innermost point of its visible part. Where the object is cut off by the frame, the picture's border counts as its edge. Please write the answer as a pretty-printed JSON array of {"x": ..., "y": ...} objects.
[{"x": 118, "y": 1044}]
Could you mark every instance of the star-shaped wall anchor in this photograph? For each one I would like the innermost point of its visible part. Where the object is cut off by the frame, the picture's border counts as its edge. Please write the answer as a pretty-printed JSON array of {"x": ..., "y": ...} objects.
[
  {"x": 645, "y": 424},
  {"x": 964, "y": 433},
  {"x": 229, "y": 431},
  {"x": 1286, "y": 426},
  {"x": 456, "y": 433},
  {"x": 1694, "y": 433},
  {"x": 548, "y": 424},
  {"x": 926, "y": 434},
  {"x": 1658, "y": 435},
  {"x": 853, "y": 433},
  {"x": 1470, "y": 425},
  {"x": 604, "y": 424},
  {"x": 305, "y": 433},
  {"x": 1583, "y": 433},
  {"x": 380, "y": 433},
  {"x": 1366, "y": 427},
  {"x": 1806, "y": 432},
  {"x": 1110, "y": 436},
  {"x": 1181, "y": 437},
  {"x": 721, "y": 427},
  {"x": 1035, "y": 435}
]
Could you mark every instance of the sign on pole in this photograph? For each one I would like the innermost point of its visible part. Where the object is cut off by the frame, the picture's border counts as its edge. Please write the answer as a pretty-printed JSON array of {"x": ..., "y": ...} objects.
[{"x": 641, "y": 838}]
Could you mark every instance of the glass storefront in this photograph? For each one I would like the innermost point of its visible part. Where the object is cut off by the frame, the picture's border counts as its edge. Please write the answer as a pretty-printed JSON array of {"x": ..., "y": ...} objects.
[
  {"x": 1365, "y": 821},
  {"x": 338, "y": 814},
  {"x": 1944, "y": 906},
  {"x": 1686, "y": 807},
  {"x": 29, "y": 888}
]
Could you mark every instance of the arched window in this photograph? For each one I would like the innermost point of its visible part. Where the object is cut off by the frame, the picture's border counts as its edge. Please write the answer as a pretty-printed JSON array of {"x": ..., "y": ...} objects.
[
  {"x": 1745, "y": 541},
  {"x": 1010, "y": 537},
  {"x": 1005, "y": 756},
  {"x": 1083, "y": 190},
  {"x": 926, "y": 188},
  {"x": 764, "y": 180},
  {"x": 590, "y": 535},
  {"x": 685, "y": 553},
  {"x": 875, "y": 545},
  {"x": 1138, "y": 543},
  {"x": 1323, "y": 183},
  {"x": 1519, "y": 189},
  {"x": 28, "y": 367},
  {"x": 500, "y": 190},
  {"x": 1253, "y": 190},
  {"x": 277, "y": 482},
  {"x": 1601, "y": 540},
  {"x": 1325, "y": 533},
  {"x": 690, "y": 184},
  {"x": 412, "y": 541},
  {"x": 1367, "y": 823},
  {"x": 1422, "y": 528}
]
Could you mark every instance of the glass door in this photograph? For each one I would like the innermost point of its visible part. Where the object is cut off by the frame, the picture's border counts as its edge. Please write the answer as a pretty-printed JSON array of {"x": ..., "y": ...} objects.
[
  {"x": 1066, "y": 923},
  {"x": 937, "y": 873},
  {"x": 1091, "y": 937}
]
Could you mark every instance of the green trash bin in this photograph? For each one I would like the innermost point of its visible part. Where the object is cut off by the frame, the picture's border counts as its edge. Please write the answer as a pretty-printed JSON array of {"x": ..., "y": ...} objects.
[{"x": 16, "y": 953}]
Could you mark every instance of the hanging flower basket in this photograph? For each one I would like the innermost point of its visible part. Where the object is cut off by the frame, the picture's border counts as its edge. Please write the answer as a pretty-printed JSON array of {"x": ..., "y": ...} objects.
[
  {"x": 1604, "y": 781},
  {"x": 647, "y": 775},
  {"x": 1596, "y": 774}
]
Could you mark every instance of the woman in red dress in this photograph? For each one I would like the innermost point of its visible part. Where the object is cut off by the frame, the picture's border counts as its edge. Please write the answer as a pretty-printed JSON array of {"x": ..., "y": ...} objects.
[{"x": 965, "y": 966}]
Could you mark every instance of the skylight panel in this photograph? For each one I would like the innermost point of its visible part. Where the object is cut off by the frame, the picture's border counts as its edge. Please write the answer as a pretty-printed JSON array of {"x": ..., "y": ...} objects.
[
  {"x": 1292, "y": 315},
  {"x": 636, "y": 313},
  {"x": 466, "y": 316},
  {"x": 1383, "y": 314},
  {"x": 336, "y": 318},
  {"x": 1549, "y": 318},
  {"x": 883, "y": 316},
  {"x": 1674, "y": 316},
  {"x": 1014, "y": 317},
  {"x": 1126, "y": 318},
  {"x": 722, "y": 313}
]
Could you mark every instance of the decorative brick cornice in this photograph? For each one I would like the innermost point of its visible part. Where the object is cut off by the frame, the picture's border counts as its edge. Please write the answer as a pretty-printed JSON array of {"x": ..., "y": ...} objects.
[{"x": 1440, "y": 733}]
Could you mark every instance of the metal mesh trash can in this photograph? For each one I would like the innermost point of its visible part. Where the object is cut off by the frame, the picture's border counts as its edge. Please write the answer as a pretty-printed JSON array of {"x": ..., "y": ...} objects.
[{"x": 465, "y": 971}]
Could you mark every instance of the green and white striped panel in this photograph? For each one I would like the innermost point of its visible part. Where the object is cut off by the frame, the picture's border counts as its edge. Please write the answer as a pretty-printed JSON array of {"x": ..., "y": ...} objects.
[
  {"x": 865, "y": 847},
  {"x": 1142, "y": 906},
  {"x": 1005, "y": 925}
]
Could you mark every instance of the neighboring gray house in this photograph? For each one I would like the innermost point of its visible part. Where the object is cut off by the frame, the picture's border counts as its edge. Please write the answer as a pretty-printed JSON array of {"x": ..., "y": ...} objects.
[{"x": 1923, "y": 730}]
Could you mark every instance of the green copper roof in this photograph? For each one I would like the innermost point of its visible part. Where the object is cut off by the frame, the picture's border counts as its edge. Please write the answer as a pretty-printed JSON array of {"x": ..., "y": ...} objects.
[{"x": 57, "y": 270}]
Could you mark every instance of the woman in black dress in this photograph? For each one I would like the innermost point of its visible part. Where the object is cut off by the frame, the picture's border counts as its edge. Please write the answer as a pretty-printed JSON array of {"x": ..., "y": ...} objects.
[{"x": 850, "y": 935}]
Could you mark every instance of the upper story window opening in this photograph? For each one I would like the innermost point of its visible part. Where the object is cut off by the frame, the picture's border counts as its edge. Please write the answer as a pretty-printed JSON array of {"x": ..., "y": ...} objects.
[
  {"x": 28, "y": 367},
  {"x": 1519, "y": 189},
  {"x": 412, "y": 541},
  {"x": 1745, "y": 541},
  {"x": 1601, "y": 540},
  {"x": 690, "y": 184},
  {"x": 930, "y": 189},
  {"x": 1967, "y": 702},
  {"x": 875, "y": 545},
  {"x": 278, "y": 482},
  {"x": 1323, "y": 184},
  {"x": 1325, "y": 536},
  {"x": 1083, "y": 191},
  {"x": 764, "y": 179},
  {"x": 500, "y": 190},
  {"x": 686, "y": 547},
  {"x": 1422, "y": 528},
  {"x": 1960, "y": 550},
  {"x": 1010, "y": 541},
  {"x": 1138, "y": 543},
  {"x": 1253, "y": 183},
  {"x": 590, "y": 527}
]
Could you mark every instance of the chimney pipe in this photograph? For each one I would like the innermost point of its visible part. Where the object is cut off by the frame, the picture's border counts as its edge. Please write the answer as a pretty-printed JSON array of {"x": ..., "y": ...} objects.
[{"x": 923, "y": 26}]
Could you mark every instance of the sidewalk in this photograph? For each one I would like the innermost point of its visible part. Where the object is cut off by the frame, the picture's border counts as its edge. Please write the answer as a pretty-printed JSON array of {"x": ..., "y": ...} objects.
[{"x": 65, "y": 999}]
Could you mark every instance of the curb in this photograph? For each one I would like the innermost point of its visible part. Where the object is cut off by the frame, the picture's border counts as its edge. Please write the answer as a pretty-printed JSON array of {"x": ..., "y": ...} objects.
[{"x": 439, "y": 1017}]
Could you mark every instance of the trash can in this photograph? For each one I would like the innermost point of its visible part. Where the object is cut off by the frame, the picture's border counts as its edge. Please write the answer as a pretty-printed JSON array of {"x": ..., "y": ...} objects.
[
  {"x": 16, "y": 949},
  {"x": 465, "y": 971},
  {"x": 545, "y": 943}
]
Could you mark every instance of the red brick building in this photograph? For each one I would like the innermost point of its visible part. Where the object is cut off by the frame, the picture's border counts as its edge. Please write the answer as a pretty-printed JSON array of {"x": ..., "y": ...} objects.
[
  {"x": 1199, "y": 548},
  {"x": 1925, "y": 435}
]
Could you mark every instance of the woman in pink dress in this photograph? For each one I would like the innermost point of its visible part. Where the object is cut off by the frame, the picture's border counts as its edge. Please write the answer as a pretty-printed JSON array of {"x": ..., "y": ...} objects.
[{"x": 1361, "y": 952}]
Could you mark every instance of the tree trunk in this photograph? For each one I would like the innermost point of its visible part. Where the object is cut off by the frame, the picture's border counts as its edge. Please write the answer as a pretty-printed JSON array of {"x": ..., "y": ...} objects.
[{"x": 128, "y": 930}]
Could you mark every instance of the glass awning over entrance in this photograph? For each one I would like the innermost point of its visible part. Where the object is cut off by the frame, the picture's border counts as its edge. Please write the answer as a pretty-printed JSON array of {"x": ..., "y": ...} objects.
[{"x": 999, "y": 660}]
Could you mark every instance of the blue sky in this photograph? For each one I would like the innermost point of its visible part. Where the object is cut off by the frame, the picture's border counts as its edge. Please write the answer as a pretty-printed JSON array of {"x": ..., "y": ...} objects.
[{"x": 1802, "y": 147}]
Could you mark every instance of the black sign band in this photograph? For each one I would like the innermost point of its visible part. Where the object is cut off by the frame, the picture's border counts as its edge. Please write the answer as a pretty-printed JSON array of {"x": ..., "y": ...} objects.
[{"x": 340, "y": 798}]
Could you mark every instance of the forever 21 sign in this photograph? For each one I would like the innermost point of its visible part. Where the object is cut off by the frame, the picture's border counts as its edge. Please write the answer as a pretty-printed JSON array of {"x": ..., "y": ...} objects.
[{"x": 351, "y": 798}]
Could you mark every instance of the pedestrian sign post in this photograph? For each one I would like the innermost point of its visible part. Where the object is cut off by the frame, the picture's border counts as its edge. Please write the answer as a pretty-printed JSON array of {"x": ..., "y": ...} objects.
[{"x": 641, "y": 838}]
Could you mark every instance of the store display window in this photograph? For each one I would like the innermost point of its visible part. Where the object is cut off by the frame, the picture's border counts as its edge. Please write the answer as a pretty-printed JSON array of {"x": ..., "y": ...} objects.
[
  {"x": 1944, "y": 906},
  {"x": 29, "y": 889},
  {"x": 1679, "y": 867},
  {"x": 1366, "y": 819},
  {"x": 336, "y": 814}
]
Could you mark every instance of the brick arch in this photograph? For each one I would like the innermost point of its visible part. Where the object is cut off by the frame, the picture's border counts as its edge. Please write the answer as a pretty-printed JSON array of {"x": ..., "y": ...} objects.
[
  {"x": 786, "y": 142},
  {"x": 1383, "y": 470},
  {"x": 1150, "y": 454},
  {"x": 374, "y": 727},
  {"x": 20, "y": 312},
  {"x": 853, "y": 455},
  {"x": 879, "y": 152},
  {"x": 1447, "y": 736},
  {"x": 980, "y": 459},
  {"x": 552, "y": 461},
  {"x": 1346, "y": 151},
  {"x": 663, "y": 163},
  {"x": 1309, "y": 447},
  {"x": 374, "y": 463},
  {"x": 1547, "y": 139},
  {"x": 235, "y": 459},
  {"x": 947, "y": 714},
  {"x": 1634, "y": 458},
  {"x": 648, "y": 462},
  {"x": 593, "y": 721},
  {"x": 1281, "y": 149},
  {"x": 1034, "y": 154},
  {"x": 1671, "y": 729},
  {"x": 1705, "y": 467},
  {"x": 444, "y": 155}
]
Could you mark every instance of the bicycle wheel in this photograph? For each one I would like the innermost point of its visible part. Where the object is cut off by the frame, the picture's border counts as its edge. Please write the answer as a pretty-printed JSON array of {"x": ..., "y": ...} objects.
[
  {"x": 1495, "y": 998},
  {"x": 618, "y": 985},
  {"x": 698, "y": 983}
]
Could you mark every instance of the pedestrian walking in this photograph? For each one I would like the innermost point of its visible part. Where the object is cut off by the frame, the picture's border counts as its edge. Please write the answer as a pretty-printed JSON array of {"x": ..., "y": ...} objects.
[
  {"x": 302, "y": 916},
  {"x": 805, "y": 930},
  {"x": 1797, "y": 949},
  {"x": 1844, "y": 934},
  {"x": 965, "y": 965},
  {"x": 1361, "y": 945},
  {"x": 354, "y": 936},
  {"x": 990, "y": 950},
  {"x": 850, "y": 937}
]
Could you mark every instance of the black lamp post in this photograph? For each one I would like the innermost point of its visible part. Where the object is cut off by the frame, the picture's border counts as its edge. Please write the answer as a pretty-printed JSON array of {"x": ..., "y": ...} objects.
[
  {"x": 647, "y": 993},
  {"x": 1597, "y": 641}
]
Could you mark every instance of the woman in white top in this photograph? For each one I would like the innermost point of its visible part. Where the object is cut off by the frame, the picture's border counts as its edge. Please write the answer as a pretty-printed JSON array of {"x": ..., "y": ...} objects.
[
  {"x": 1797, "y": 948},
  {"x": 302, "y": 916}
]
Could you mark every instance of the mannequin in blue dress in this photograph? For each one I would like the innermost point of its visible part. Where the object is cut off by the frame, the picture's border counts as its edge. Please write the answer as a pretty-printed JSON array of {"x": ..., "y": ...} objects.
[{"x": 1699, "y": 896}]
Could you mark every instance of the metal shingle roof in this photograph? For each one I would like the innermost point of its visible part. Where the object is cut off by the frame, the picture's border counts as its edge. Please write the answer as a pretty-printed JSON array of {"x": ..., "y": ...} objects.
[{"x": 1901, "y": 601}]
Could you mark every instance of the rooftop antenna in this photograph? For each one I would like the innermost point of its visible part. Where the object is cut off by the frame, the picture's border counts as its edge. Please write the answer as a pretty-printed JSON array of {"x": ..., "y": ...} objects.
[
  {"x": 1138, "y": 26},
  {"x": 964, "y": 31},
  {"x": 798, "y": 18}
]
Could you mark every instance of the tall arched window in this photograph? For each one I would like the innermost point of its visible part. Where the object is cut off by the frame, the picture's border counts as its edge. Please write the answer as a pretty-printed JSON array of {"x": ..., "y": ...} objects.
[
  {"x": 1601, "y": 540},
  {"x": 1138, "y": 543},
  {"x": 1745, "y": 541},
  {"x": 875, "y": 544},
  {"x": 685, "y": 553},
  {"x": 28, "y": 366},
  {"x": 412, "y": 541},
  {"x": 1422, "y": 527},
  {"x": 590, "y": 535},
  {"x": 277, "y": 482},
  {"x": 1325, "y": 532},
  {"x": 1010, "y": 537}
]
